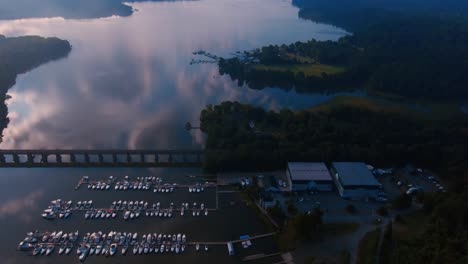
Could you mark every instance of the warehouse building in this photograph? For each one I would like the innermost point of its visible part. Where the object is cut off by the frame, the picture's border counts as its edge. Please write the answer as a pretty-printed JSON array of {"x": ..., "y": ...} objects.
[
  {"x": 309, "y": 176},
  {"x": 354, "y": 180}
]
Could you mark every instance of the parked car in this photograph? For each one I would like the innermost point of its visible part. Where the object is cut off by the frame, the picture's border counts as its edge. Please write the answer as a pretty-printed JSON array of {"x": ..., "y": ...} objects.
[
  {"x": 399, "y": 183},
  {"x": 381, "y": 199}
]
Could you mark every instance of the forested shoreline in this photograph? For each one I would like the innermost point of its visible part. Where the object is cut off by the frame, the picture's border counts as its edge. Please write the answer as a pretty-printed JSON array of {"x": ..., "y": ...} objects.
[
  {"x": 22, "y": 54},
  {"x": 408, "y": 54}
]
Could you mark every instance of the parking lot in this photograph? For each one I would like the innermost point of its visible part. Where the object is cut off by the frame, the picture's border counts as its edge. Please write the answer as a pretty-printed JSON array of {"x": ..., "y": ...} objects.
[{"x": 402, "y": 179}]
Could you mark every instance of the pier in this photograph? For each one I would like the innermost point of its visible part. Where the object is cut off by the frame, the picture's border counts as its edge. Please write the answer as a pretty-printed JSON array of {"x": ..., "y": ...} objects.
[{"x": 30, "y": 158}]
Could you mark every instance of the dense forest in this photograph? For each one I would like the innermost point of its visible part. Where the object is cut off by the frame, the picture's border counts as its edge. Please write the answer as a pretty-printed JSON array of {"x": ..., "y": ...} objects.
[
  {"x": 247, "y": 137},
  {"x": 21, "y": 54},
  {"x": 410, "y": 54},
  {"x": 443, "y": 237}
]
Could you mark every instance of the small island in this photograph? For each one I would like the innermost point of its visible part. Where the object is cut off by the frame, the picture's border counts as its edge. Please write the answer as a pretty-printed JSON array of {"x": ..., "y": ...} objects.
[{"x": 21, "y": 54}]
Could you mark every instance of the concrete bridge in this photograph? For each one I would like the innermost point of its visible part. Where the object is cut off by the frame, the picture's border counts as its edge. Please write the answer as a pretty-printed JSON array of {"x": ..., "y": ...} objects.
[{"x": 29, "y": 158}]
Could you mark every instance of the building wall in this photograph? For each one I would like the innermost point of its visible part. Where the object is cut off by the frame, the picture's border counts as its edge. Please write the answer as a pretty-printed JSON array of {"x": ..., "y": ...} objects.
[
  {"x": 324, "y": 187},
  {"x": 355, "y": 193}
]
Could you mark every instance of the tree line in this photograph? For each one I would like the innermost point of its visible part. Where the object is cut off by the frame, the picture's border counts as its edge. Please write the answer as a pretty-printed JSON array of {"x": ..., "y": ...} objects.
[
  {"x": 21, "y": 54},
  {"x": 410, "y": 54}
]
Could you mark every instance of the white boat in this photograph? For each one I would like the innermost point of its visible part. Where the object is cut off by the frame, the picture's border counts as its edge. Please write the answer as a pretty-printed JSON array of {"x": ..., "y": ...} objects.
[
  {"x": 156, "y": 249},
  {"x": 43, "y": 249},
  {"x": 177, "y": 249},
  {"x": 206, "y": 211},
  {"x": 182, "y": 248},
  {"x": 179, "y": 237},
  {"x": 135, "y": 236},
  {"x": 114, "y": 214},
  {"x": 135, "y": 249},
  {"x": 87, "y": 215},
  {"x": 113, "y": 249},
  {"x": 161, "y": 249},
  {"x": 146, "y": 248},
  {"x": 140, "y": 249},
  {"x": 126, "y": 215},
  {"x": 92, "y": 249},
  {"x": 172, "y": 248},
  {"x": 132, "y": 215},
  {"x": 50, "y": 249},
  {"x": 197, "y": 247},
  {"x": 124, "y": 249},
  {"x": 206, "y": 247},
  {"x": 61, "y": 249},
  {"x": 68, "y": 248},
  {"x": 183, "y": 238},
  {"x": 98, "y": 249}
]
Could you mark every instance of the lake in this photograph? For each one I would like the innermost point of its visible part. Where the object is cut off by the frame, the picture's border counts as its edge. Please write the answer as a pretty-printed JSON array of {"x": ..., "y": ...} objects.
[{"x": 128, "y": 83}]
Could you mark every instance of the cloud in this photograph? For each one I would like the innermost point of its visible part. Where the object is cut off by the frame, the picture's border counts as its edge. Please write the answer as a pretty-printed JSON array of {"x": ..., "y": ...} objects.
[{"x": 21, "y": 207}]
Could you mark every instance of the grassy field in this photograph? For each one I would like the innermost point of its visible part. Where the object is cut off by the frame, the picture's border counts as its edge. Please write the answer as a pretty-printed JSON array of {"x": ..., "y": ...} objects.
[
  {"x": 368, "y": 247},
  {"x": 307, "y": 69},
  {"x": 425, "y": 111}
]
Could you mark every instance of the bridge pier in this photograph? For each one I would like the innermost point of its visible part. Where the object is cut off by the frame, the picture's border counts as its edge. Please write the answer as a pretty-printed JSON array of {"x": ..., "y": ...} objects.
[
  {"x": 58, "y": 158},
  {"x": 156, "y": 158},
  {"x": 114, "y": 158},
  {"x": 129, "y": 158},
  {"x": 16, "y": 158},
  {"x": 86, "y": 157},
  {"x": 101, "y": 158},
  {"x": 2, "y": 158},
  {"x": 170, "y": 158},
  {"x": 142, "y": 157},
  {"x": 44, "y": 158},
  {"x": 30, "y": 158},
  {"x": 72, "y": 158}
]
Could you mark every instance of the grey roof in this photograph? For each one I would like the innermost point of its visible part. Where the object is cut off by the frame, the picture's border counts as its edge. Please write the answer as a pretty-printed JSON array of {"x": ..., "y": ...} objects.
[
  {"x": 355, "y": 173},
  {"x": 309, "y": 171}
]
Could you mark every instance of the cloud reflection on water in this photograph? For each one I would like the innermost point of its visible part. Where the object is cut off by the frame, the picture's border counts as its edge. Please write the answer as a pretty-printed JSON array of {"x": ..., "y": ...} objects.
[
  {"x": 127, "y": 82},
  {"x": 20, "y": 208}
]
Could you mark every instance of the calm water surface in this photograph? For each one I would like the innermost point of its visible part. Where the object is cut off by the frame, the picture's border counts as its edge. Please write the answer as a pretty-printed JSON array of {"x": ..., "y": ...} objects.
[{"x": 127, "y": 83}]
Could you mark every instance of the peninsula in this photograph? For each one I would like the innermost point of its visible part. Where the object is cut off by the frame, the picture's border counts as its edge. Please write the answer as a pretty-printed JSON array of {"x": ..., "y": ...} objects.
[{"x": 22, "y": 54}]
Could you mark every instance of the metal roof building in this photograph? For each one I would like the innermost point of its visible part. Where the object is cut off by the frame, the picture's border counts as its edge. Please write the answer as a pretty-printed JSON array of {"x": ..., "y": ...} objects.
[
  {"x": 354, "y": 180},
  {"x": 309, "y": 176}
]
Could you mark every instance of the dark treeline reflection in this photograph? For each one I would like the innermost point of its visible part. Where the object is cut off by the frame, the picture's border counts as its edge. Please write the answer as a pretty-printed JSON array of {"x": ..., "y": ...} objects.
[
  {"x": 21, "y": 54},
  {"x": 68, "y": 9},
  {"x": 409, "y": 52}
]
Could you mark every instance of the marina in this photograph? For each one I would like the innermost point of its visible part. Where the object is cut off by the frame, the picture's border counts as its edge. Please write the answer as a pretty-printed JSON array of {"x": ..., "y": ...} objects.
[
  {"x": 109, "y": 244},
  {"x": 186, "y": 213},
  {"x": 154, "y": 184}
]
